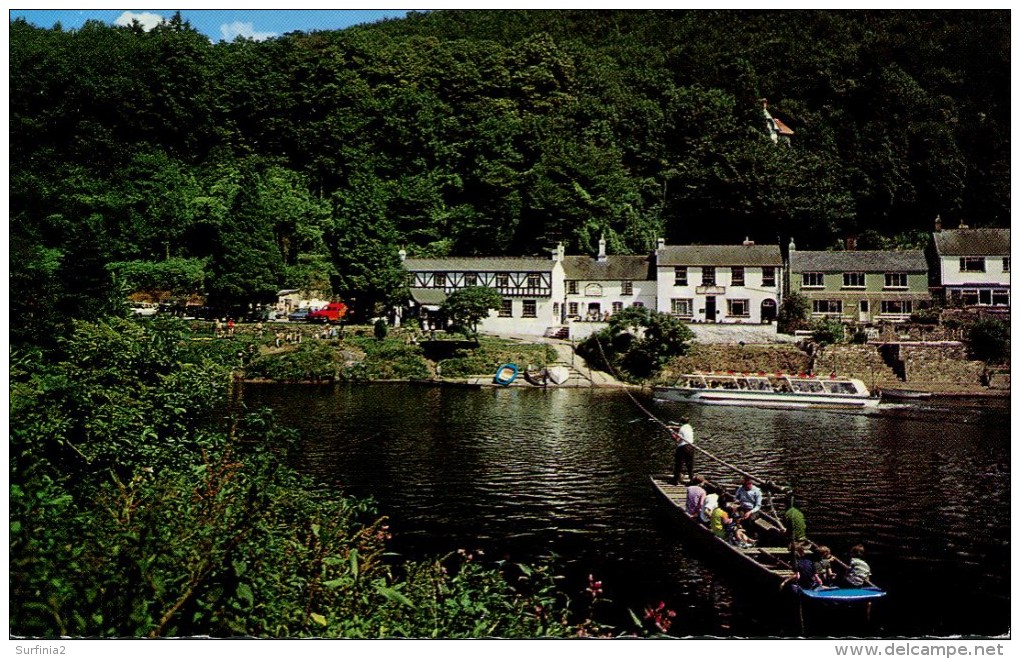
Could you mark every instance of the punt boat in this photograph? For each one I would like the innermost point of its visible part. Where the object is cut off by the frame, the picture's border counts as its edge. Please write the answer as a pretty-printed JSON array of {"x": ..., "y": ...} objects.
[{"x": 767, "y": 563}]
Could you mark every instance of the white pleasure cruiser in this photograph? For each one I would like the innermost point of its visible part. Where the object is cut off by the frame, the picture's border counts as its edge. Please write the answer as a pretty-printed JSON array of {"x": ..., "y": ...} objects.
[{"x": 764, "y": 390}]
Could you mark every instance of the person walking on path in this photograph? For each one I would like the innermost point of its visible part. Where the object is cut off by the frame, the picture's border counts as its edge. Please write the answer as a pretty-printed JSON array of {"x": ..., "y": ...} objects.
[{"x": 683, "y": 455}]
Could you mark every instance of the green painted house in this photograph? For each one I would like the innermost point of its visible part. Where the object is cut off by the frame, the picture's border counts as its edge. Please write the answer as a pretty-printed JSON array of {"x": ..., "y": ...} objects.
[{"x": 866, "y": 286}]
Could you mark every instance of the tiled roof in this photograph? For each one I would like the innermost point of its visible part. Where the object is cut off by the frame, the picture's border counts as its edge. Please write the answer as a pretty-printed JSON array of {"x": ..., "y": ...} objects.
[
  {"x": 433, "y": 296},
  {"x": 972, "y": 242},
  {"x": 858, "y": 261},
  {"x": 481, "y": 264},
  {"x": 782, "y": 128},
  {"x": 747, "y": 255},
  {"x": 614, "y": 268}
]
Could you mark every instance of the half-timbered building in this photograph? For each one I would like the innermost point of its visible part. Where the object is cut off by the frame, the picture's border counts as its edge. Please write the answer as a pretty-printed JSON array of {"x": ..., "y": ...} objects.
[{"x": 531, "y": 287}]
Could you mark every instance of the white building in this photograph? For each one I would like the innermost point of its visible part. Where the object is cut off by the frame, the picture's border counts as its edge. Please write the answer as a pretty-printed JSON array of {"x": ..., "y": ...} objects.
[
  {"x": 971, "y": 266},
  {"x": 597, "y": 287},
  {"x": 719, "y": 283}
]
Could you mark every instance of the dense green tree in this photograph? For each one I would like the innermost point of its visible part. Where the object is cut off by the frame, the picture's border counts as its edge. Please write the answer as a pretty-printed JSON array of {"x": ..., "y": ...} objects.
[{"x": 468, "y": 306}]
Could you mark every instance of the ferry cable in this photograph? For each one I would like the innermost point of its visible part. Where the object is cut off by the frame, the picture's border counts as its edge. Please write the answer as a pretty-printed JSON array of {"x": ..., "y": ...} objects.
[{"x": 769, "y": 485}]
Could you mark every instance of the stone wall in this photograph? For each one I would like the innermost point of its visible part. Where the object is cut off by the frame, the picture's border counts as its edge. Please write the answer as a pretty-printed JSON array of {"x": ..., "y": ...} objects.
[
  {"x": 775, "y": 358},
  {"x": 864, "y": 362},
  {"x": 943, "y": 363}
]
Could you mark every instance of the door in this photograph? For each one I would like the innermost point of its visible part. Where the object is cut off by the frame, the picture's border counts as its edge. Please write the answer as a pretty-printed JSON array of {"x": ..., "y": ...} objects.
[
  {"x": 865, "y": 311},
  {"x": 710, "y": 309}
]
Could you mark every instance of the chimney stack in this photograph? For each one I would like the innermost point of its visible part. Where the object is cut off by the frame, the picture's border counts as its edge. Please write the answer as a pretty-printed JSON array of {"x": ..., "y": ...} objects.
[
  {"x": 793, "y": 247},
  {"x": 938, "y": 224},
  {"x": 602, "y": 248},
  {"x": 402, "y": 254},
  {"x": 558, "y": 253},
  {"x": 851, "y": 243},
  {"x": 748, "y": 242},
  {"x": 963, "y": 226}
]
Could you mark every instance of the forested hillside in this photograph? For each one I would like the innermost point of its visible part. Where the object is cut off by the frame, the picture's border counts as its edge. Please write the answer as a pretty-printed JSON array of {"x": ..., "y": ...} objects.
[{"x": 159, "y": 160}]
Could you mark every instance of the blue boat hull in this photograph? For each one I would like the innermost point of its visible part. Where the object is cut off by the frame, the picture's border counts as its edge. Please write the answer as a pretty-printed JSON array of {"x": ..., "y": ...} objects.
[{"x": 505, "y": 375}]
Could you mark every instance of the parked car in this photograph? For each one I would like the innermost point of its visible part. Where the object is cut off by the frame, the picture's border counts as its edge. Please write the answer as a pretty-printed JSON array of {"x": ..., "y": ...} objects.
[
  {"x": 144, "y": 308},
  {"x": 331, "y": 313},
  {"x": 298, "y": 315}
]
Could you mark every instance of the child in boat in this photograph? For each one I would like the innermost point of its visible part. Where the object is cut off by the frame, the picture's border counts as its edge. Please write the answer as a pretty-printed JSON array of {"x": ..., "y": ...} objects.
[
  {"x": 726, "y": 525},
  {"x": 804, "y": 570},
  {"x": 859, "y": 572},
  {"x": 823, "y": 566}
]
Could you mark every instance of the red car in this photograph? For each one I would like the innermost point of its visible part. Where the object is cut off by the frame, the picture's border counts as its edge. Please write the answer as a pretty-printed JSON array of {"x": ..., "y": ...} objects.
[{"x": 331, "y": 313}]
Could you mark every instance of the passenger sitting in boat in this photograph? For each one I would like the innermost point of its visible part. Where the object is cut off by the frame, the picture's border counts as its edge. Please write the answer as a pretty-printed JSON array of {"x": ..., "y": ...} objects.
[
  {"x": 749, "y": 497},
  {"x": 711, "y": 503},
  {"x": 804, "y": 570},
  {"x": 859, "y": 572},
  {"x": 696, "y": 496},
  {"x": 823, "y": 566},
  {"x": 735, "y": 534}
]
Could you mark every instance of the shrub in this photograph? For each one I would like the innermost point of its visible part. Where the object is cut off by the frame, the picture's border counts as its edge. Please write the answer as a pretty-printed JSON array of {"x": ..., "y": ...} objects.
[
  {"x": 988, "y": 340},
  {"x": 827, "y": 331}
]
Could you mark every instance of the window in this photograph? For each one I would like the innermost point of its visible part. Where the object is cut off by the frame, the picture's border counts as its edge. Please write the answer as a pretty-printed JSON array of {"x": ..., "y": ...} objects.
[
  {"x": 530, "y": 309},
  {"x": 556, "y": 310},
  {"x": 439, "y": 280},
  {"x": 1000, "y": 297},
  {"x": 470, "y": 279},
  {"x": 638, "y": 304},
  {"x": 768, "y": 276},
  {"x": 506, "y": 309},
  {"x": 853, "y": 280},
  {"x": 572, "y": 288},
  {"x": 572, "y": 309},
  {"x": 708, "y": 276},
  {"x": 972, "y": 264},
  {"x": 627, "y": 288},
  {"x": 737, "y": 276},
  {"x": 502, "y": 280},
  {"x": 617, "y": 307},
  {"x": 1005, "y": 264},
  {"x": 738, "y": 308},
  {"x": 895, "y": 280},
  {"x": 534, "y": 280},
  {"x": 827, "y": 306},
  {"x": 680, "y": 276},
  {"x": 812, "y": 280},
  {"x": 897, "y": 307},
  {"x": 682, "y": 306}
]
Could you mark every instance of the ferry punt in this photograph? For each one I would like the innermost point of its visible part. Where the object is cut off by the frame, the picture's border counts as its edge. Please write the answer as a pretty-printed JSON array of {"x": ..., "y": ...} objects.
[{"x": 762, "y": 390}]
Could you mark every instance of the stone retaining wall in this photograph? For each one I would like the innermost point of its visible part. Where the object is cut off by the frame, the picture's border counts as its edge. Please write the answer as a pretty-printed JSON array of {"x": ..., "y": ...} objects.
[
  {"x": 864, "y": 362},
  {"x": 940, "y": 364},
  {"x": 774, "y": 358}
]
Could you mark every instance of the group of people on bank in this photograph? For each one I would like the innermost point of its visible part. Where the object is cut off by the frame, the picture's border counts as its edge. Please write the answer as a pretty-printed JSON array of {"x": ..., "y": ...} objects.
[{"x": 732, "y": 519}]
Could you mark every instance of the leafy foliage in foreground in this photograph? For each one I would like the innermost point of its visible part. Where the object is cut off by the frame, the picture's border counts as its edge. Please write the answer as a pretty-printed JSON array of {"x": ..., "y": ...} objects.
[{"x": 136, "y": 512}]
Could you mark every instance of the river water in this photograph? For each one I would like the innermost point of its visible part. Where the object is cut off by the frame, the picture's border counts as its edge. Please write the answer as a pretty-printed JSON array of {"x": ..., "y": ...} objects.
[{"x": 528, "y": 473}]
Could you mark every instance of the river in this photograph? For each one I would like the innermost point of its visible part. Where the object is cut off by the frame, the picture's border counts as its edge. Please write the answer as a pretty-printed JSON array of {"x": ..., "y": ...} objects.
[{"x": 526, "y": 473}]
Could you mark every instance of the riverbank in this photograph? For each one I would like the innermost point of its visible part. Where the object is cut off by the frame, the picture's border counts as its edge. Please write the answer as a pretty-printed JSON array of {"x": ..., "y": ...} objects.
[{"x": 305, "y": 353}]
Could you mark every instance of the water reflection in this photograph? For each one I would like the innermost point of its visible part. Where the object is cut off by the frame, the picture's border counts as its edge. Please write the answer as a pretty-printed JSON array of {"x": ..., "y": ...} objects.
[{"x": 524, "y": 473}]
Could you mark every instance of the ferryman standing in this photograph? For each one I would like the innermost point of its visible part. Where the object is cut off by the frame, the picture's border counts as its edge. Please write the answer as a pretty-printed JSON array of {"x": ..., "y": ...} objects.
[{"x": 683, "y": 455}]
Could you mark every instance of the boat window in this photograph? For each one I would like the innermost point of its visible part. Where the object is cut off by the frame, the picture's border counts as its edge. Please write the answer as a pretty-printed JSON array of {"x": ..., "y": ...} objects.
[
  {"x": 742, "y": 383},
  {"x": 696, "y": 383},
  {"x": 807, "y": 386},
  {"x": 761, "y": 384}
]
